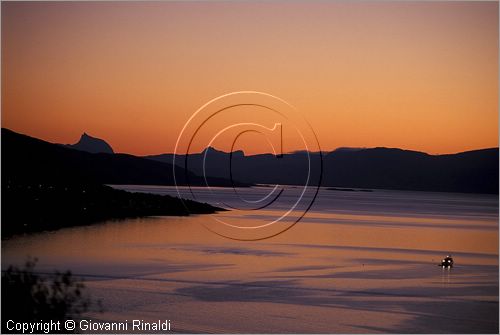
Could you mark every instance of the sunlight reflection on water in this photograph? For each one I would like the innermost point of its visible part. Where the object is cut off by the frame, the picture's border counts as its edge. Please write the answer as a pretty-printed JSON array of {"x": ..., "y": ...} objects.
[{"x": 362, "y": 261}]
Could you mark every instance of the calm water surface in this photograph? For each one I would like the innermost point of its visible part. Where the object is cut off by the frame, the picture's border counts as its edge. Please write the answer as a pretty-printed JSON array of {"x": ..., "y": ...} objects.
[{"x": 357, "y": 262}]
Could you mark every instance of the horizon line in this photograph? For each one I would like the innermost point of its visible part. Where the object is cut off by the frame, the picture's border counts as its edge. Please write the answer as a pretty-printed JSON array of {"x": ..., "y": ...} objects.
[
  {"x": 343, "y": 148},
  {"x": 346, "y": 148}
]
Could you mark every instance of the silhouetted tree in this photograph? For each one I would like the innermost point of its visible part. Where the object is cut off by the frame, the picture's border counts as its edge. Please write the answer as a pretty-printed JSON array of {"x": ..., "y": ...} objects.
[{"x": 31, "y": 297}]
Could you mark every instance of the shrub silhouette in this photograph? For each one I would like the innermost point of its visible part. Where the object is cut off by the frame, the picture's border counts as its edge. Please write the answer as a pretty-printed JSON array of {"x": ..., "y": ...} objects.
[{"x": 31, "y": 297}]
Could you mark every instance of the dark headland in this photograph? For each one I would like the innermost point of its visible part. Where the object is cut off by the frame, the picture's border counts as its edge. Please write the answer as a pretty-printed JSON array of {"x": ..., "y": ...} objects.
[{"x": 47, "y": 186}]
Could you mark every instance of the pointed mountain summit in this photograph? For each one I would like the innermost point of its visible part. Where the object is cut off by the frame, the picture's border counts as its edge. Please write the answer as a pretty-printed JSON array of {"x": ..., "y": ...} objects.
[{"x": 92, "y": 144}]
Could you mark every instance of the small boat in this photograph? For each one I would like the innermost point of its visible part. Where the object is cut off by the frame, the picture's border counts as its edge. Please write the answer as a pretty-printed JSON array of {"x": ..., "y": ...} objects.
[{"x": 447, "y": 262}]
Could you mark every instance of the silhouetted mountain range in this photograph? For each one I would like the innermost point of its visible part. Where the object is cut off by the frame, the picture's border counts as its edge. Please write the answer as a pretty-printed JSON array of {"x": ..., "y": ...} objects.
[
  {"x": 470, "y": 172},
  {"x": 91, "y": 144},
  {"x": 28, "y": 158},
  {"x": 48, "y": 186},
  {"x": 376, "y": 168}
]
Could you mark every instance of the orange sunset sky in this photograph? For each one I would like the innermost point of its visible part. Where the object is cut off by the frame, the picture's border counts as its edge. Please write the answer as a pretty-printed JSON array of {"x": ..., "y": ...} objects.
[{"x": 413, "y": 75}]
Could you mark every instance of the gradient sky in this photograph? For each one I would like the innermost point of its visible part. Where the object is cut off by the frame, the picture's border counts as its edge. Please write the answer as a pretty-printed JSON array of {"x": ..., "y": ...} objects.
[{"x": 414, "y": 75}]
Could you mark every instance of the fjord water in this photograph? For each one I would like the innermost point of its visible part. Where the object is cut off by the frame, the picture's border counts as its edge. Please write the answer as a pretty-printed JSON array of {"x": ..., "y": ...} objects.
[{"x": 357, "y": 262}]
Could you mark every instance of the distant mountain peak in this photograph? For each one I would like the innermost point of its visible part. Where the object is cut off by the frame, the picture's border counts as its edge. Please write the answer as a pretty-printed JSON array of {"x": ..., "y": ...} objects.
[
  {"x": 212, "y": 150},
  {"x": 348, "y": 149},
  {"x": 92, "y": 144}
]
